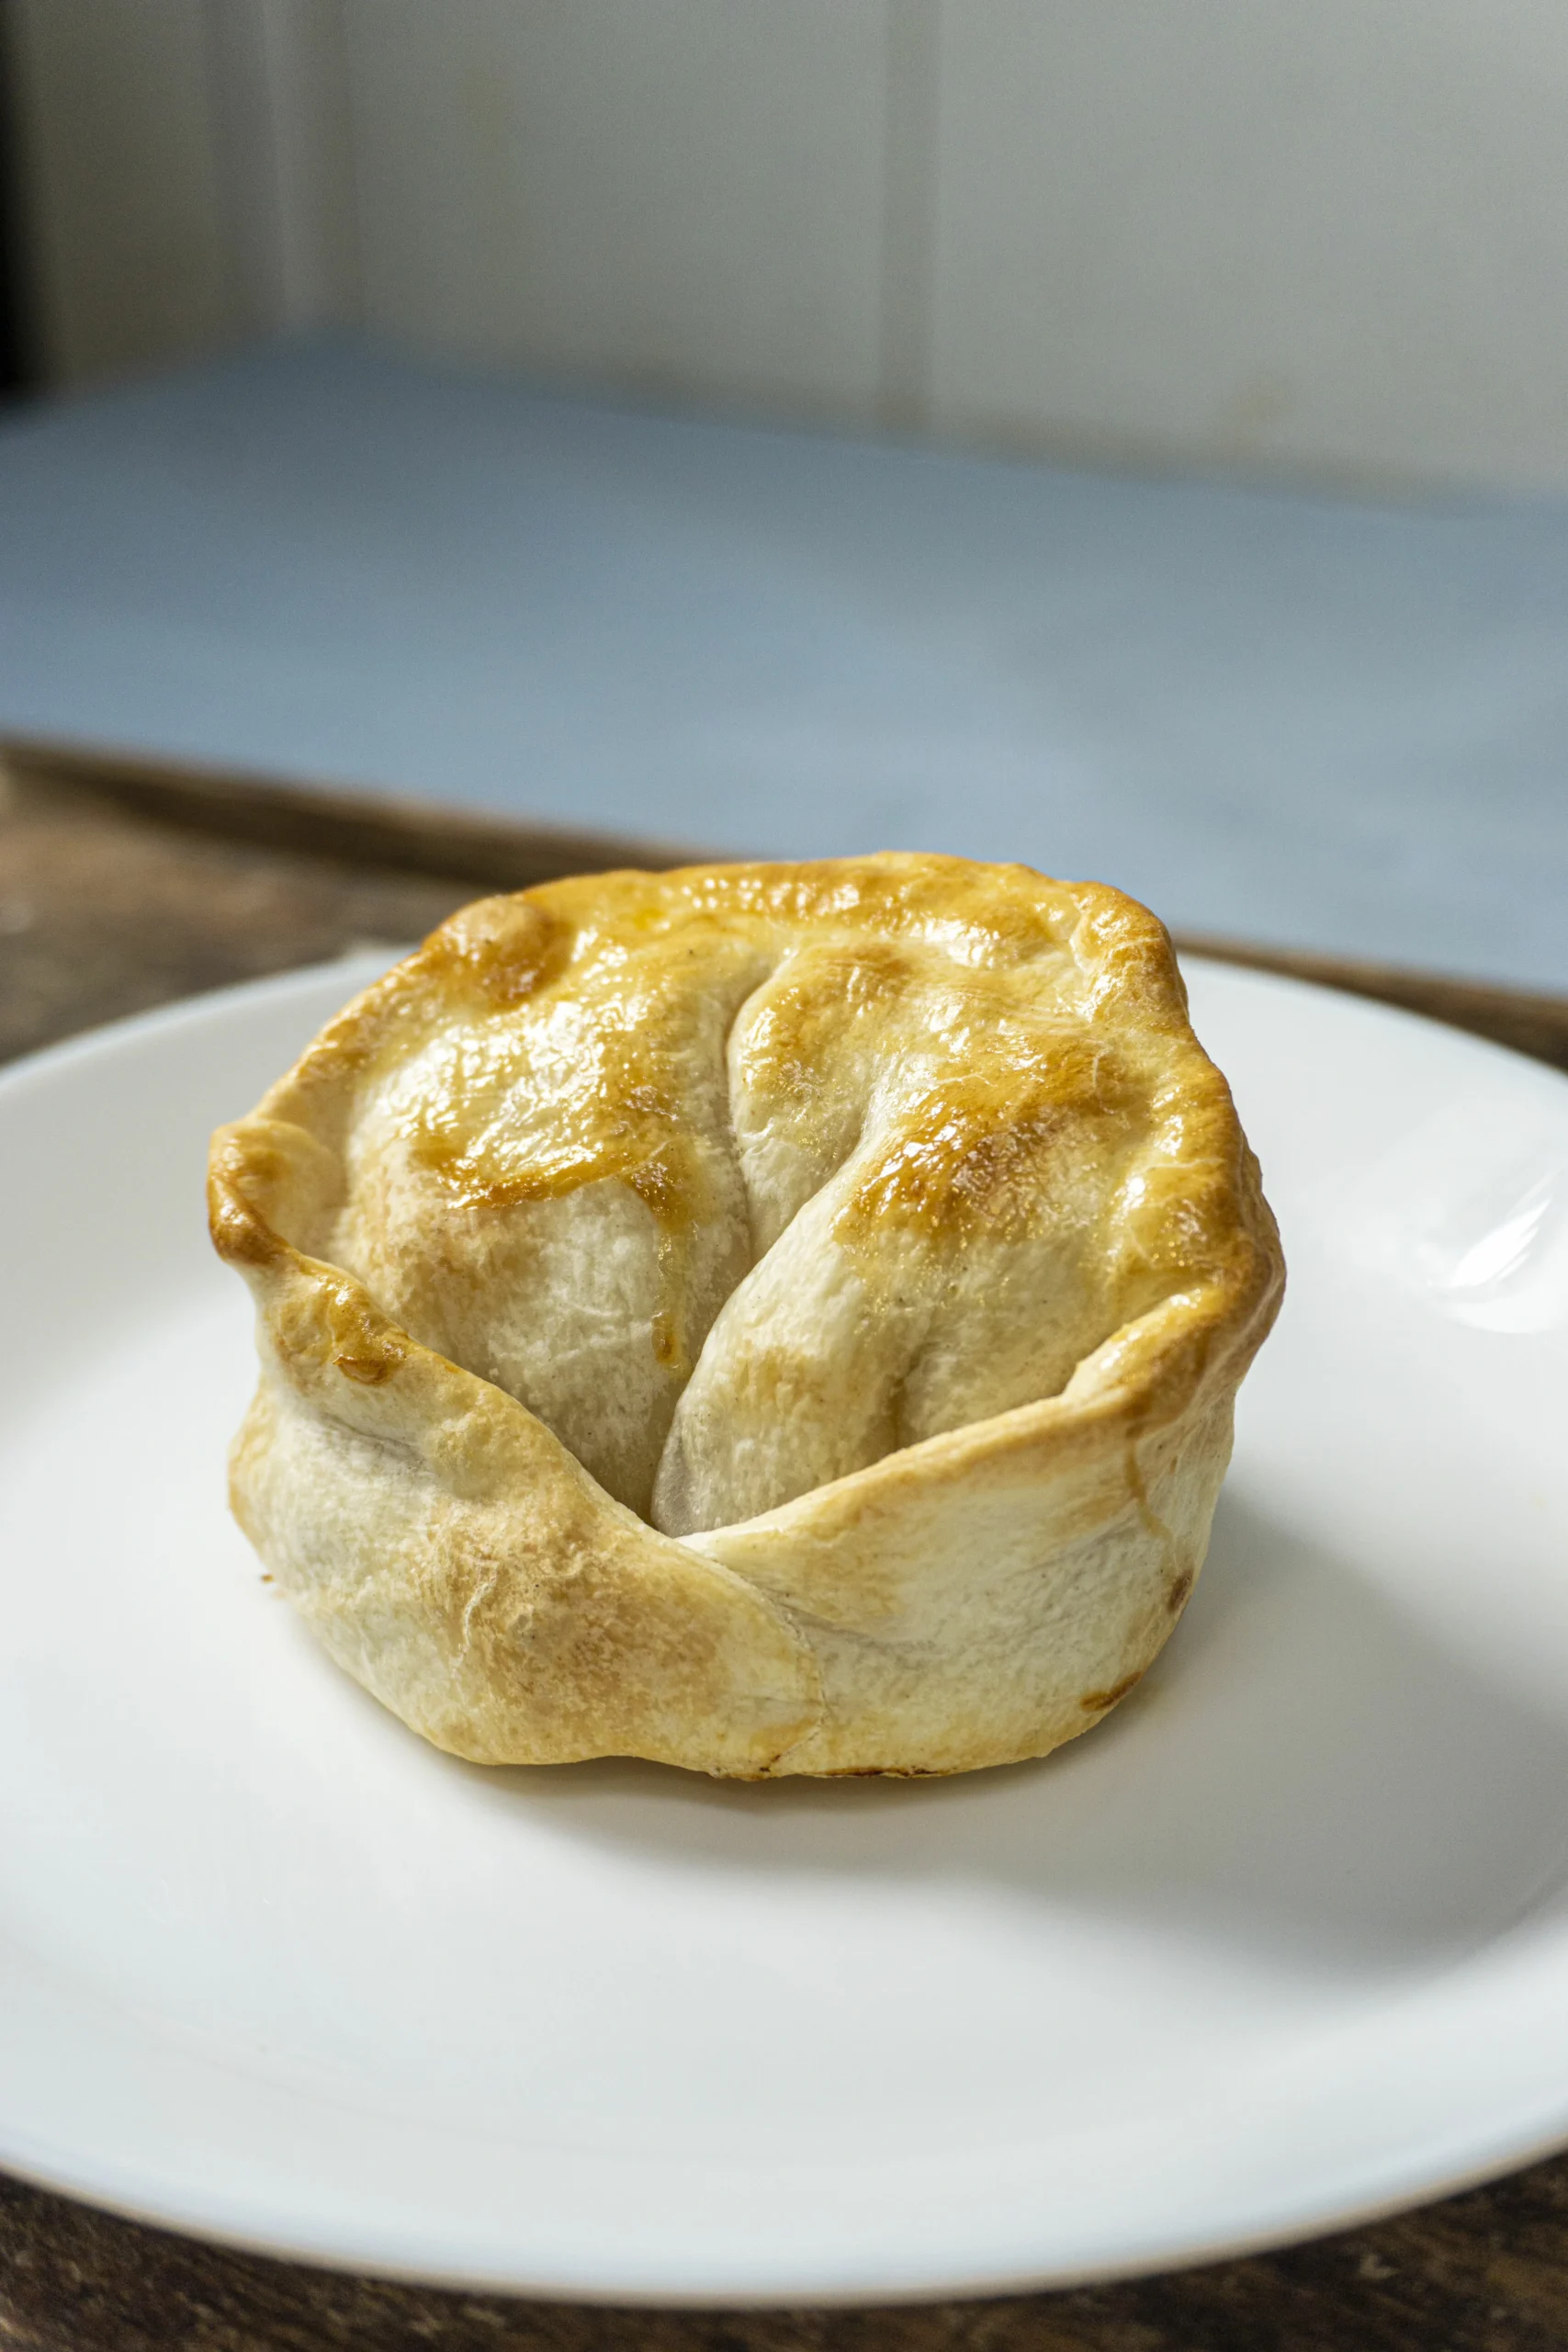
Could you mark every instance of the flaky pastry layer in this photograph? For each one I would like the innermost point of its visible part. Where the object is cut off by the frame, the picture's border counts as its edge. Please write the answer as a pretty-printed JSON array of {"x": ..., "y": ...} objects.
[{"x": 764, "y": 1319}]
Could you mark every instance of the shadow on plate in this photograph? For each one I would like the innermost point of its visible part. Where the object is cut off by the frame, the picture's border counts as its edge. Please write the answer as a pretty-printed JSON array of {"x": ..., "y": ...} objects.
[{"x": 1307, "y": 1772}]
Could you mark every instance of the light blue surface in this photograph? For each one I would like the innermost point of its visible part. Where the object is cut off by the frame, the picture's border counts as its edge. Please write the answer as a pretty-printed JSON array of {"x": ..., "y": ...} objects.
[{"x": 1282, "y": 718}]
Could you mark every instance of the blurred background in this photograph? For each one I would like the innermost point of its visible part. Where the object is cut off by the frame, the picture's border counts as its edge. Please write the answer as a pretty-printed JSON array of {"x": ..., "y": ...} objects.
[
  {"x": 1329, "y": 238},
  {"x": 1125, "y": 433}
]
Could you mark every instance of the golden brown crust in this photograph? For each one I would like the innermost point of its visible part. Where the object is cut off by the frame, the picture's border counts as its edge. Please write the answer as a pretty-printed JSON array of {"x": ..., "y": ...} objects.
[{"x": 876, "y": 1228}]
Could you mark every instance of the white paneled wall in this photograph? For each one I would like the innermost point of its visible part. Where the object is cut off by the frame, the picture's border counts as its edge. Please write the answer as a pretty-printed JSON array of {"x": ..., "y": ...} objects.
[
  {"x": 279, "y": 96},
  {"x": 685, "y": 192},
  {"x": 1330, "y": 231},
  {"x": 1323, "y": 235},
  {"x": 122, "y": 180}
]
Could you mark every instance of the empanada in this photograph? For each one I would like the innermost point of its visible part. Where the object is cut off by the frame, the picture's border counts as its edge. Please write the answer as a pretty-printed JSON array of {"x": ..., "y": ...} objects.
[{"x": 766, "y": 1319}]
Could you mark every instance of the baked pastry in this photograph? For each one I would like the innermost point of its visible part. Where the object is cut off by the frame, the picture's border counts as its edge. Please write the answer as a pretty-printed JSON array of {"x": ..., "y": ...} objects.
[{"x": 765, "y": 1319}]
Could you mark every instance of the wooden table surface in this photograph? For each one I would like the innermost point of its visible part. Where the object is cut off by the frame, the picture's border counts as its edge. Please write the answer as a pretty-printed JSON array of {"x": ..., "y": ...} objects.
[{"x": 123, "y": 884}]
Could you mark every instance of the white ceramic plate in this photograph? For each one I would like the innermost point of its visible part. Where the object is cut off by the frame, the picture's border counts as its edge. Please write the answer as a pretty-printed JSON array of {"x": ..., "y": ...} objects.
[{"x": 1283, "y": 1943}]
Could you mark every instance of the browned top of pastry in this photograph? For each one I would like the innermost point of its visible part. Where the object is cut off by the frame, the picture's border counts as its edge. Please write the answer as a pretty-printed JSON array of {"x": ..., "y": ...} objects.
[{"x": 743, "y": 1177}]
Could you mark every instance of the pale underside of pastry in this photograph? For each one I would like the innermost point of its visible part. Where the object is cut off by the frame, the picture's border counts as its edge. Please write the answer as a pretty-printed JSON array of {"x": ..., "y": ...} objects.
[{"x": 765, "y": 1319}]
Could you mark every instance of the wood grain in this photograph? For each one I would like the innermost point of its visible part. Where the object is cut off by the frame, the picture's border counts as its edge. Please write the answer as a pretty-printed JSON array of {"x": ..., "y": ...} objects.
[
  {"x": 117, "y": 891},
  {"x": 372, "y": 830},
  {"x": 380, "y": 836}
]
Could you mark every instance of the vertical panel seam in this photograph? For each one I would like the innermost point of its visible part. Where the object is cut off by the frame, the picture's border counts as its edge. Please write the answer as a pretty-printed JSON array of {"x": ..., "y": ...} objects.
[{"x": 910, "y": 165}]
